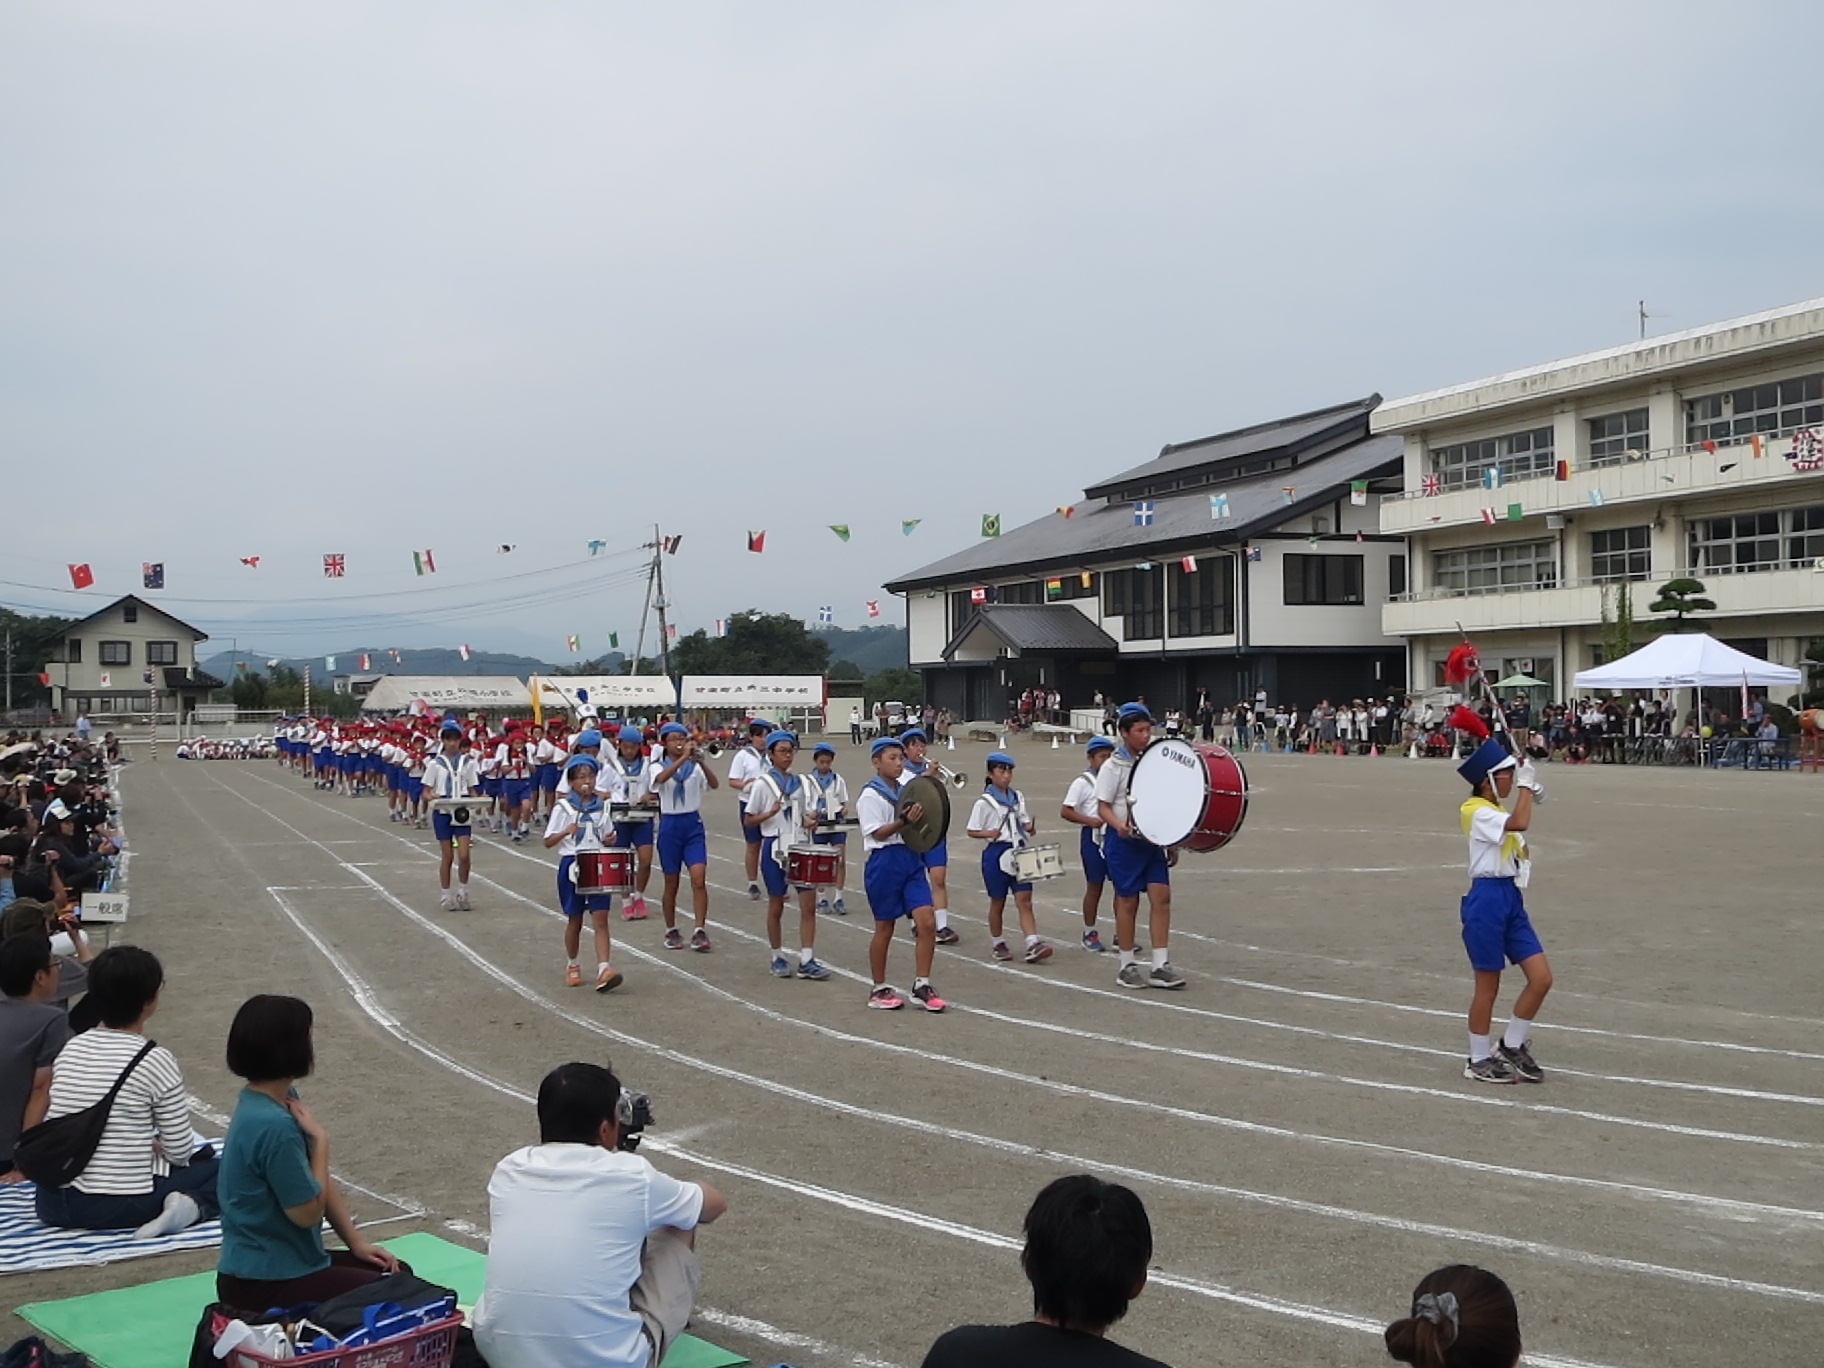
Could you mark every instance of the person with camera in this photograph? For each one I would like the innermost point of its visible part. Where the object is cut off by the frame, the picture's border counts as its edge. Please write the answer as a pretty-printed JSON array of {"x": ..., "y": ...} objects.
[{"x": 592, "y": 1253}]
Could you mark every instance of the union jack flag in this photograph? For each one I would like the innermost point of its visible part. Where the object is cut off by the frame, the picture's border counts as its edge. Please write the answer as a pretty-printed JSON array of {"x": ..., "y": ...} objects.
[
  {"x": 1432, "y": 484},
  {"x": 334, "y": 566}
]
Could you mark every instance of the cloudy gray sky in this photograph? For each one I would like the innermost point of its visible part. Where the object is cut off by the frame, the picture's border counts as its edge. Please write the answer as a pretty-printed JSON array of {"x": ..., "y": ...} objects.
[{"x": 295, "y": 278}]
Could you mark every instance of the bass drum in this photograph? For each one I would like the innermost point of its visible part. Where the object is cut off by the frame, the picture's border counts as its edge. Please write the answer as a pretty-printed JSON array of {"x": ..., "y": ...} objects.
[{"x": 1180, "y": 793}]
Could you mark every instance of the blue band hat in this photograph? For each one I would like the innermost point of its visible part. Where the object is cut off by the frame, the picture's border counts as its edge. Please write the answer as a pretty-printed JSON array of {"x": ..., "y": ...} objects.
[
  {"x": 673, "y": 729},
  {"x": 777, "y": 735},
  {"x": 450, "y": 729},
  {"x": 1097, "y": 743},
  {"x": 1133, "y": 712},
  {"x": 588, "y": 737},
  {"x": 999, "y": 758},
  {"x": 758, "y": 724},
  {"x": 1484, "y": 760},
  {"x": 629, "y": 734},
  {"x": 885, "y": 743},
  {"x": 914, "y": 734},
  {"x": 823, "y": 748},
  {"x": 582, "y": 762}
]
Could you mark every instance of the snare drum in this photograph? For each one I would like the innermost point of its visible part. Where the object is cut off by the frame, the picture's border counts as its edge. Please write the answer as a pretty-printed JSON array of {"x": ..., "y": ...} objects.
[
  {"x": 810, "y": 866},
  {"x": 1032, "y": 863},
  {"x": 460, "y": 811},
  {"x": 1179, "y": 793},
  {"x": 603, "y": 871}
]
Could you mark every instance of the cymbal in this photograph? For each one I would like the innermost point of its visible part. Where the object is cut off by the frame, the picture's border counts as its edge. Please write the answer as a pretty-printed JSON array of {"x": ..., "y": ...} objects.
[{"x": 929, "y": 830}]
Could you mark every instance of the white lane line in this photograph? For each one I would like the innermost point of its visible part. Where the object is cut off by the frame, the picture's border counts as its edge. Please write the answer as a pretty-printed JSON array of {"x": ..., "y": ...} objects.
[
  {"x": 785, "y": 1339},
  {"x": 1736, "y": 1207},
  {"x": 365, "y": 998}
]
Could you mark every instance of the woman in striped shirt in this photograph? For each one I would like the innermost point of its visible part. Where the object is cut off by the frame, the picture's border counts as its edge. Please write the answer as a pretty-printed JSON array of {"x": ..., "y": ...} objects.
[{"x": 144, "y": 1176}]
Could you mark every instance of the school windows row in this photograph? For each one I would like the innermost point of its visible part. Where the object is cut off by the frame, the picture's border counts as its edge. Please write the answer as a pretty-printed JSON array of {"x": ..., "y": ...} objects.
[
  {"x": 1774, "y": 539},
  {"x": 1770, "y": 409},
  {"x": 120, "y": 652}
]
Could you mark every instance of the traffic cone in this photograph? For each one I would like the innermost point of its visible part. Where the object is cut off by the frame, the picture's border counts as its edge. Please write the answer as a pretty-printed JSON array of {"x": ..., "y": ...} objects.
[
  {"x": 1054, "y": 740},
  {"x": 952, "y": 741},
  {"x": 1340, "y": 750},
  {"x": 1313, "y": 749},
  {"x": 1374, "y": 750}
]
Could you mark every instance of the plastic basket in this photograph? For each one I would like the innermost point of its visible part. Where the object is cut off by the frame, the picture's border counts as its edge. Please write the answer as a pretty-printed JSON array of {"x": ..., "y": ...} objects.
[{"x": 432, "y": 1347}]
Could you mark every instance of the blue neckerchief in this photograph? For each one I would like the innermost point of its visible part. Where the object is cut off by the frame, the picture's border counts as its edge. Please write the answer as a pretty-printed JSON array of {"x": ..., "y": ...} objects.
[
  {"x": 918, "y": 767},
  {"x": 632, "y": 767},
  {"x": 880, "y": 786},
  {"x": 824, "y": 786},
  {"x": 1011, "y": 800},
  {"x": 586, "y": 814},
  {"x": 685, "y": 770},
  {"x": 787, "y": 783},
  {"x": 1123, "y": 753}
]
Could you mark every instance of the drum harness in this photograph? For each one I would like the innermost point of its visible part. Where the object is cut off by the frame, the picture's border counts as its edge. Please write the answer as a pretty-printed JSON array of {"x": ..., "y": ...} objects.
[
  {"x": 1014, "y": 812},
  {"x": 786, "y": 788}
]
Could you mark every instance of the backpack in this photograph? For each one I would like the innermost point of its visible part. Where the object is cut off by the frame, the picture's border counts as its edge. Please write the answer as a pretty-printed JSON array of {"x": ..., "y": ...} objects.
[{"x": 54, "y": 1153}]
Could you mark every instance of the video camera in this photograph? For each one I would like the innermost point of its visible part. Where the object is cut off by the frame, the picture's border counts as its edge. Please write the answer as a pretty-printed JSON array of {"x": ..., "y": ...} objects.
[{"x": 632, "y": 1114}]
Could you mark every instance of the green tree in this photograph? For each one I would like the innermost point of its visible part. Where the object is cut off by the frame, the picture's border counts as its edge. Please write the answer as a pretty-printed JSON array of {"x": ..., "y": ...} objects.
[
  {"x": 1682, "y": 597},
  {"x": 1617, "y": 620},
  {"x": 757, "y": 643},
  {"x": 36, "y": 644},
  {"x": 897, "y": 683},
  {"x": 248, "y": 691},
  {"x": 846, "y": 672}
]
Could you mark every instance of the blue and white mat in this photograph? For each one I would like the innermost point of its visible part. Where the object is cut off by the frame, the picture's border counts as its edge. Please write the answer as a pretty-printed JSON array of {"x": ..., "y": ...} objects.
[{"x": 27, "y": 1244}]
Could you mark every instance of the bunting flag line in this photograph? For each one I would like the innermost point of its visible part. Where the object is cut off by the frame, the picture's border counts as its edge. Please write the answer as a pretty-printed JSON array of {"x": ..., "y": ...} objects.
[
  {"x": 572, "y": 643},
  {"x": 1754, "y": 441},
  {"x": 671, "y": 631},
  {"x": 1359, "y": 538},
  {"x": 1431, "y": 485},
  {"x": 464, "y": 651},
  {"x": 240, "y": 666},
  {"x": 841, "y": 530},
  {"x": 1289, "y": 491},
  {"x": 1358, "y": 493},
  {"x": 329, "y": 663},
  {"x": 673, "y": 543},
  {"x": 991, "y": 524},
  {"x": 273, "y": 664},
  {"x": 1595, "y": 498},
  {"x": 365, "y": 665},
  {"x": 252, "y": 562},
  {"x": 1144, "y": 565},
  {"x": 1710, "y": 447},
  {"x": 1188, "y": 565},
  {"x": 334, "y": 568},
  {"x": 907, "y": 524},
  {"x": 1143, "y": 513},
  {"x": 756, "y": 541},
  {"x": 1086, "y": 579},
  {"x": 1219, "y": 506},
  {"x": 1066, "y": 510},
  {"x": 1253, "y": 553},
  {"x": 873, "y": 608},
  {"x": 614, "y": 641},
  {"x": 107, "y": 680},
  {"x": 978, "y": 595},
  {"x": 1563, "y": 471},
  {"x": 1514, "y": 513},
  {"x": 1053, "y": 586},
  {"x": 721, "y": 627},
  {"x": 1491, "y": 478},
  {"x": 597, "y": 546},
  {"x": 1489, "y": 516},
  {"x": 1807, "y": 450},
  {"x": 395, "y": 655},
  {"x": 827, "y": 613},
  {"x": 506, "y": 548},
  {"x": 424, "y": 562},
  {"x": 152, "y": 574},
  {"x": 81, "y": 576}
]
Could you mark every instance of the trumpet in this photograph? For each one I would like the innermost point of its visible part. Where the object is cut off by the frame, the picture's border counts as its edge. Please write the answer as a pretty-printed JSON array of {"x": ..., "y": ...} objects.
[
  {"x": 712, "y": 749},
  {"x": 951, "y": 777}
]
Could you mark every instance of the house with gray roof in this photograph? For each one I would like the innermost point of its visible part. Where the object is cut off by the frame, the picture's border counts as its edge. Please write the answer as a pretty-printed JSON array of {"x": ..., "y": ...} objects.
[{"x": 1247, "y": 560}]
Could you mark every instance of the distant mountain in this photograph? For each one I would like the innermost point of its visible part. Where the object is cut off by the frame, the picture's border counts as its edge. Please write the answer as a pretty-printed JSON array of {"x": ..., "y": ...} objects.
[
  {"x": 432, "y": 661},
  {"x": 869, "y": 648}
]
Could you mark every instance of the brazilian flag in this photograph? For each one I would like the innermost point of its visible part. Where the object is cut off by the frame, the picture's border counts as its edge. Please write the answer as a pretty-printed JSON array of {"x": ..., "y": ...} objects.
[{"x": 991, "y": 524}]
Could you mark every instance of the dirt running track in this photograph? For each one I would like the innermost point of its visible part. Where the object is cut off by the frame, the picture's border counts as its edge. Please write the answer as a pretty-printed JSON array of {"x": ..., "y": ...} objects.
[{"x": 1296, "y": 1120}]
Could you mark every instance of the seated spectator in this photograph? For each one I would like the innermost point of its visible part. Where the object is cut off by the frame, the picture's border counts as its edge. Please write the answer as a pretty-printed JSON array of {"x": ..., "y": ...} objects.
[
  {"x": 1088, "y": 1244},
  {"x": 144, "y": 1176},
  {"x": 591, "y": 1260},
  {"x": 64, "y": 850},
  {"x": 274, "y": 1185},
  {"x": 1462, "y": 1317},
  {"x": 32, "y": 1031},
  {"x": 34, "y": 912}
]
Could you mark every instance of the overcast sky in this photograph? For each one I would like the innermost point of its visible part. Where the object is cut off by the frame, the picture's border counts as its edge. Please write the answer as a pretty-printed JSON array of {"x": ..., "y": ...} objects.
[{"x": 286, "y": 279}]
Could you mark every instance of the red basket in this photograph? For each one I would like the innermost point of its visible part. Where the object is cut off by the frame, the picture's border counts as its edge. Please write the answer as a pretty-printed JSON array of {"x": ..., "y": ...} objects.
[{"x": 432, "y": 1347}]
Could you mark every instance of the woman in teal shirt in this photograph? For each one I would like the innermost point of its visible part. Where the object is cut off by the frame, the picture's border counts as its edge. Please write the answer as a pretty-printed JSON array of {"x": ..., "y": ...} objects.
[{"x": 274, "y": 1184}]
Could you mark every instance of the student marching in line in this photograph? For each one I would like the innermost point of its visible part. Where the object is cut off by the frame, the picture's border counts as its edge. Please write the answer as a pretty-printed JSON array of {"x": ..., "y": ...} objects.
[
  {"x": 831, "y": 800},
  {"x": 579, "y": 824},
  {"x": 745, "y": 766},
  {"x": 1000, "y": 818},
  {"x": 630, "y": 762},
  {"x": 451, "y": 774},
  {"x": 895, "y": 881},
  {"x": 777, "y": 807},
  {"x": 937, "y": 860},
  {"x": 1081, "y": 809},
  {"x": 1135, "y": 864},
  {"x": 513, "y": 770},
  {"x": 680, "y": 782}
]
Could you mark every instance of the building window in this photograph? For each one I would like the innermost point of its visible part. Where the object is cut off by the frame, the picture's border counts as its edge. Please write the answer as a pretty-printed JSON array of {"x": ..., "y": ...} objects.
[
  {"x": 1081, "y": 585},
  {"x": 1805, "y": 545},
  {"x": 1492, "y": 569},
  {"x": 1624, "y": 553},
  {"x": 1613, "y": 436},
  {"x": 116, "y": 653},
  {"x": 72, "y": 650},
  {"x": 1027, "y": 591},
  {"x": 1396, "y": 576},
  {"x": 1137, "y": 597},
  {"x": 1518, "y": 455},
  {"x": 960, "y": 609},
  {"x": 161, "y": 653},
  {"x": 129, "y": 612},
  {"x": 1778, "y": 406},
  {"x": 1323, "y": 579},
  {"x": 1746, "y": 542},
  {"x": 1203, "y": 600}
]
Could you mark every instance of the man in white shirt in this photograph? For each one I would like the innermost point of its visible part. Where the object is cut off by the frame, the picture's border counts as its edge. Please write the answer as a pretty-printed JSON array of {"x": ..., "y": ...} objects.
[{"x": 592, "y": 1255}]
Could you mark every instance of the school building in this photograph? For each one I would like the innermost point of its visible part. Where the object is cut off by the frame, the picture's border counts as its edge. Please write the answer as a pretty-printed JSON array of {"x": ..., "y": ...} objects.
[
  {"x": 127, "y": 658},
  {"x": 1247, "y": 560}
]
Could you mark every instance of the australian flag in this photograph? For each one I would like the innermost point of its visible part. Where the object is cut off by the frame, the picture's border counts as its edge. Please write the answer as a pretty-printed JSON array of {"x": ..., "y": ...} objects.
[{"x": 152, "y": 574}]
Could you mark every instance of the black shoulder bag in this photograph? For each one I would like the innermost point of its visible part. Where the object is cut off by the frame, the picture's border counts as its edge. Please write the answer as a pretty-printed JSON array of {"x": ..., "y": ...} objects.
[{"x": 54, "y": 1153}]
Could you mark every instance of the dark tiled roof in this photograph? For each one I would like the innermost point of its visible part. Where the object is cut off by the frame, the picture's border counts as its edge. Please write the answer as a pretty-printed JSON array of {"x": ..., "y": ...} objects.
[
  {"x": 1181, "y": 522},
  {"x": 143, "y": 603},
  {"x": 177, "y": 677},
  {"x": 1040, "y": 627}
]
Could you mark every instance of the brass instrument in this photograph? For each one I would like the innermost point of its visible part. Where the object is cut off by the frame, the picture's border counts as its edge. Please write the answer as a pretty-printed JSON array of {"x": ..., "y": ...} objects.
[
  {"x": 950, "y": 776},
  {"x": 711, "y": 748}
]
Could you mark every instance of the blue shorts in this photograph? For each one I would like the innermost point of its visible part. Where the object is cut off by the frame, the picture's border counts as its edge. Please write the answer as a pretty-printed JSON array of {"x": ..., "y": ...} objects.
[
  {"x": 572, "y": 903},
  {"x": 829, "y": 838},
  {"x": 895, "y": 882},
  {"x": 546, "y": 778},
  {"x": 772, "y": 873},
  {"x": 490, "y": 786},
  {"x": 414, "y": 785},
  {"x": 1133, "y": 863},
  {"x": 442, "y": 828},
  {"x": 1095, "y": 868},
  {"x": 1496, "y": 929},
  {"x": 751, "y": 834},
  {"x": 938, "y": 857},
  {"x": 636, "y": 833},
  {"x": 997, "y": 880},
  {"x": 517, "y": 792},
  {"x": 682, "y": 841}
]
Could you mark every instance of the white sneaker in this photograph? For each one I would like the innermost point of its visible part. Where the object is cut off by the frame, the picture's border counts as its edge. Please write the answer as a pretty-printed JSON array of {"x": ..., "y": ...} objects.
[{"x": 180, "y": 1213}]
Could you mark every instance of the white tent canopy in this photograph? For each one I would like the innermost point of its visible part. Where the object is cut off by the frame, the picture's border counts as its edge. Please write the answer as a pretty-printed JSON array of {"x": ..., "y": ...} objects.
[
  {"x": 737, "y": 692},
  {"x": 612, "y": 693},
  {"x": 492, "y": 693},
  {"x": 1684, "y": 660}
]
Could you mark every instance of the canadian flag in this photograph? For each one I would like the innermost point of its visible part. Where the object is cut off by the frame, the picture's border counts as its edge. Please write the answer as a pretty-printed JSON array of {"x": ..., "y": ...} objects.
[
  {"x": 81, "y": 576},
  {"x": 978, "y": 596}
]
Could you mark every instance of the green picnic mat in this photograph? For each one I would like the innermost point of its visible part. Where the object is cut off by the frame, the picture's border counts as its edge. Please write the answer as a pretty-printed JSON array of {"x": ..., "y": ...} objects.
[{"x": 151, "y": 1326}]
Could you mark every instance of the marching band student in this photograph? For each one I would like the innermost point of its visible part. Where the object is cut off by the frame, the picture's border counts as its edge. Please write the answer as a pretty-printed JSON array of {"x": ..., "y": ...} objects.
[
  {"x": 1496, "y": 929},
  {"x": 486, "y": 748},
  {"x": 895, "y": 880},
  {"x": 937, "y": 859},
  {"x": 745, "y": 766},
  {"x": 416, "y": 756},
  {"x": 580, "y": 822},
  {"x": 682, "y": 843},
  {"x": 513, "y": 771},
  {"x": 775, "y": 806},
  {"x": 547, "y": 757},
  {"x": 636, "y": 779},
  {"x": 589, "y": 743},
  {"x": 1081, "y": 809},
  {"x": 832, "y": 801},
  {"x": 1135, "y": 864},
  {"x": 999, "y": 818},
  {"x": 451, "y": 774}
]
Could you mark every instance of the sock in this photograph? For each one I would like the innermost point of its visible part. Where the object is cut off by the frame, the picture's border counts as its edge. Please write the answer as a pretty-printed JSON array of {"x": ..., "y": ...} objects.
[
  {"x": 1159, "y": 956},
  {"x": 1518, "y": 1029},
  {"x": 463, "y": 889},
  {"x": 180, "y": 1212},
  {"x": 575, "y": 963},
  {"x": 1031, "y": 941},
  {"x": 806, "y": 954},
  {"x": 880, "y": 987},
  {"x": 921, "y": 983},
  {"x": 600, "y": 965},
  {"x": 1128, "y": 957},
  {"x": 1478, "y": 1047},
  {"x": 943, "y": 918}
]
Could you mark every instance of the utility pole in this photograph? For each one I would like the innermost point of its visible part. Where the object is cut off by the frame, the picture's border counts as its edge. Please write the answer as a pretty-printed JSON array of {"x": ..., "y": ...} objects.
[
  {"x": 658, "y": 575},
  {"x": 9, "y": 669},
  {"x": 1643, "y": 320},
  {"x": 307, "y": 691},
  {"x": 639, "y": 642}
]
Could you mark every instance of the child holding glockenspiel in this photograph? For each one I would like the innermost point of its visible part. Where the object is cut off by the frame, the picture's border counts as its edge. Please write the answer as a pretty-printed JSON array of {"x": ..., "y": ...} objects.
[{"x": 999, "y": 818}]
